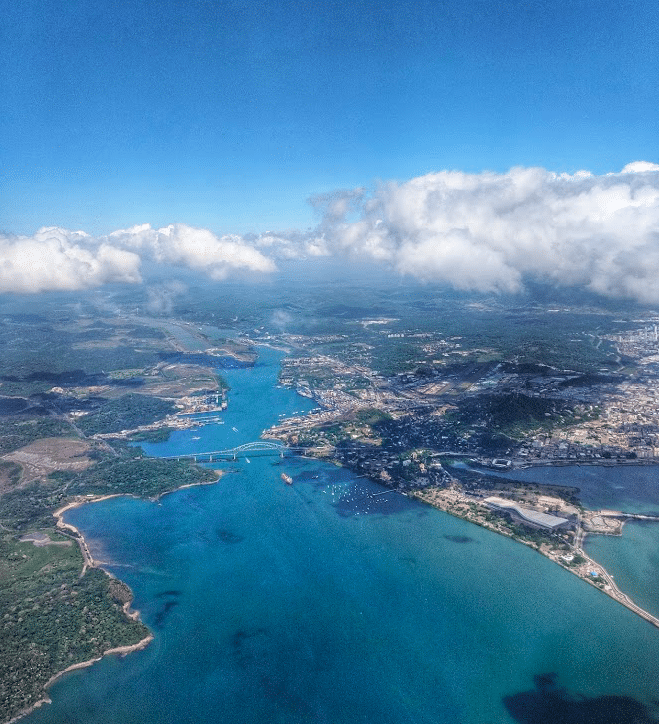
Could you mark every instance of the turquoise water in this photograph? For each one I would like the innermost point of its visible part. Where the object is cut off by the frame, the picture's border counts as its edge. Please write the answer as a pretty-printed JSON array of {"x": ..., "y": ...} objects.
[
  {"x": 633, "y": 560},
  {"x": 319, "y": 602}
]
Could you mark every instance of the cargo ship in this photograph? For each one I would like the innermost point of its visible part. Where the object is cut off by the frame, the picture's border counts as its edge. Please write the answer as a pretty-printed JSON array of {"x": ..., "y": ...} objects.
[{"x": 287, "y": 479}]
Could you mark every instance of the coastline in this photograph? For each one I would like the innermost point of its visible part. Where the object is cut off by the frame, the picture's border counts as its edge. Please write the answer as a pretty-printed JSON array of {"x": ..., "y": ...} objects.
[
  {"x": 583, "y": 572},
  {"x": 73, "y": 532},
  {"x": 89, "y": 562},
  {"x": 119, "y": 650}
]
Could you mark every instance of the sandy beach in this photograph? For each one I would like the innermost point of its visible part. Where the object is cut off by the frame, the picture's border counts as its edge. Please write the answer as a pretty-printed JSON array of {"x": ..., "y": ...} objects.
[
  {"x": 88, "y": 562},
  {"x": 119, "y": 651}
]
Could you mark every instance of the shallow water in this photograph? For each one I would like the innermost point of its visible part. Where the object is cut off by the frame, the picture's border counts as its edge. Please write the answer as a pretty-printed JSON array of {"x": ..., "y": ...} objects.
[
  {"x": 323, "y": 602},
  {"x": 633, "y": 560}
]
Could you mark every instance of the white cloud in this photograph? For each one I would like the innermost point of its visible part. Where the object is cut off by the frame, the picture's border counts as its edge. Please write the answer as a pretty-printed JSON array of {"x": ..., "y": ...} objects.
[
  {"x": 198, "y": 249},
  {"x": 57, "y": 259},
  {"x": 640, "y": 167},
  {"x": 292, "y": 244},
  {"x": 485, "y": 232},
  {"x": 489, "y": 231}
]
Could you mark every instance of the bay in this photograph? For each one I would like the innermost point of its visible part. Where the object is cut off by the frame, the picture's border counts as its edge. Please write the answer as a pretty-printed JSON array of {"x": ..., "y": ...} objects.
[
  {"x": 633, "y": 561},
  {"x": 323, "y": 602}
]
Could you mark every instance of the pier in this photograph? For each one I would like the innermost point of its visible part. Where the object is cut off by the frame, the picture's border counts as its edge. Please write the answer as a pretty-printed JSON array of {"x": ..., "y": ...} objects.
[{"x": 627, "y": 516}]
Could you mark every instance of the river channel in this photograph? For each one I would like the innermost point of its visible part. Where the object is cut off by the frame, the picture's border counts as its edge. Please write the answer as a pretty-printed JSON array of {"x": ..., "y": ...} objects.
[{"x": 321, "y": 601}]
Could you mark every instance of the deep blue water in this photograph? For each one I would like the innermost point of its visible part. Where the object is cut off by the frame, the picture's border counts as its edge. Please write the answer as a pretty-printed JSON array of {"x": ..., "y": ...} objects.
[{"x": 319, "y": 602}]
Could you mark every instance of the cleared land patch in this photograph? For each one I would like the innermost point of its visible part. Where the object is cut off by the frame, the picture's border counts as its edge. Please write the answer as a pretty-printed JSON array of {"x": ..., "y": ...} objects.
[{"x": 42, "y": 457}]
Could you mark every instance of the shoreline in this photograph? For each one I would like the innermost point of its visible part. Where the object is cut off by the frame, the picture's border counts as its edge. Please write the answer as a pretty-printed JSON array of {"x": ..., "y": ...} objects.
[
  {"x": 118, "y": 651},
  {"x": 85, "y": 500},
  {"x": 611, "y": 589},
  {"x": 89, "y": 562},
  {"x": 73, "y": 532}
]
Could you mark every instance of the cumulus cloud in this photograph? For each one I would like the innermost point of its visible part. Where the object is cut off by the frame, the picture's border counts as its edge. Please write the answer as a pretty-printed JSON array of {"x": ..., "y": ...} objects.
[
  {"x": 57, "y": 259},
  {"x": 485, "y": 232},
  {"x": 489, "y": 231},
  {"x": 199, "y": 249},
  {"x": 640, "y": 167}
]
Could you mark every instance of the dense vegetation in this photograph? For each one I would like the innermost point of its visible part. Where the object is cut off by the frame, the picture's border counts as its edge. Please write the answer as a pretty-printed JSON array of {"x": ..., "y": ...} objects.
[
  {"x": 52, "y": 618},
  {"x": 125, "y": 413},
  {"x": 515, "y": 414},
  {"x": 161, "y": 434},
  {"x": 20, "y": 431},
  {"x": 31, "y": 507},
  {"x": 144, "y": 477}
]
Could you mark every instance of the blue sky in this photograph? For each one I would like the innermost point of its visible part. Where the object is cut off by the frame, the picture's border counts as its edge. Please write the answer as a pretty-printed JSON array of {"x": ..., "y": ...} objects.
[{"x": 229, "y": 115}]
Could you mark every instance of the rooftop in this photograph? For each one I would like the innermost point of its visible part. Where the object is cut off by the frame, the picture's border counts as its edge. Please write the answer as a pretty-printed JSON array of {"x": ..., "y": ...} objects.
[{"x": 544, "y": 520}]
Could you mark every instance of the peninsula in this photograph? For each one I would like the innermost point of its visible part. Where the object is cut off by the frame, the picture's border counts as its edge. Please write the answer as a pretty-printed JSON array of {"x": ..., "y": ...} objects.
[
  {"x": 64, "y": 444},
  {"x": 396, "y": 402},
  {"x": 407, "y": 431}
]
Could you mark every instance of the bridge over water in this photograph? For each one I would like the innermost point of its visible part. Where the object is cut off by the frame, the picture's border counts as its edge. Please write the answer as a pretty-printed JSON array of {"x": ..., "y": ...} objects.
[{"x": 261, "y": 447}]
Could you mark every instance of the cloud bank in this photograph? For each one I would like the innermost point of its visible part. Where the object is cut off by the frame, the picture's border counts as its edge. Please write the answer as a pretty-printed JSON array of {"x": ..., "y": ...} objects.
[
  {"x": 489, "y": 232},
  {"x": 58, "y": 259},
  {"x": 485, "y": 232},
  {"x": 199, "y": 249}
]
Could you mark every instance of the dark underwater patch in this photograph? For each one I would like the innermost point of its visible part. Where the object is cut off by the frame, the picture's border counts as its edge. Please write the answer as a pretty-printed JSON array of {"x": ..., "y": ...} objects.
[
  {"x": 162, "y": 614},
  {"x": 307, "y": 476},
  {"x": 248, "y": 647},
  {"x": 173, "y": 595},
  {"x": 459, "y": 538},
  {"x": 549, "y": 703},
  {"x": 226, "y": 536}
]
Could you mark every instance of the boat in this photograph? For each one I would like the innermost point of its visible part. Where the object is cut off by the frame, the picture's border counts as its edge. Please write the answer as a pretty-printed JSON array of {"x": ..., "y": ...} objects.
[{"x": 287, "y": 479}]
